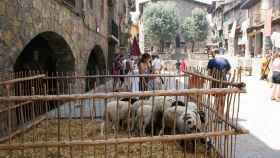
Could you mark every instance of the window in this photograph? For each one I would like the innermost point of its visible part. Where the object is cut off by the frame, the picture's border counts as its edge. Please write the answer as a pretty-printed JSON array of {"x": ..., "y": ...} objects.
[
  {"x": 91, "y": 4},
  {"x": 70, "y": 2},
  {"x": 84, "y": 5},
  {"x": 102, "y": 9}
]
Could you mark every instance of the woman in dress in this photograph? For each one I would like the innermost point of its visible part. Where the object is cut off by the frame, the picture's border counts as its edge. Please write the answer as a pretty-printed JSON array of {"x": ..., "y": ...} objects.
[
  {"x": 144, "y": 68},
  {"x": 276, "y": 78}
]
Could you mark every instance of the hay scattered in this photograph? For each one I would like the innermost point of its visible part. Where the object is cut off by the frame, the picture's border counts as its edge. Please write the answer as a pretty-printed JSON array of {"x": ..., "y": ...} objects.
[{"x": 71, "y": 130}]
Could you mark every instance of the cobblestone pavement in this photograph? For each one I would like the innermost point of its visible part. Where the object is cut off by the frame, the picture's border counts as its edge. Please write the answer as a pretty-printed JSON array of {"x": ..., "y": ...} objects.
[{"x": 260, "y": 116}]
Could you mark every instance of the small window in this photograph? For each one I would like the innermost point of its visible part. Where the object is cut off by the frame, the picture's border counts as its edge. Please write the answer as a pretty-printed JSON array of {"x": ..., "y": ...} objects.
[
  {"x": 102, "y": 9},
  {"x": 83, "y": 5},
  {"x": 91, "y": 4},
  {"x": 70, "y": 2}
]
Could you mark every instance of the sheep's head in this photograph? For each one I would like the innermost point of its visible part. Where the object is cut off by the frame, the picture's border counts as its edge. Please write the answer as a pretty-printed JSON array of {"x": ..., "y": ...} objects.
[{"x": 192, "y": 121}]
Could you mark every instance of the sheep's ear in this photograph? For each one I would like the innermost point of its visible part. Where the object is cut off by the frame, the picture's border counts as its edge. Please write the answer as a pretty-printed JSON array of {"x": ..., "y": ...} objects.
[
  {"x": 186, "y": 117},
  {"x": 133, "y": 100},
  {"x": 202, "y": 116},
  {"x": 124, "y": 99},
  {"x": 180, "y": 103}
]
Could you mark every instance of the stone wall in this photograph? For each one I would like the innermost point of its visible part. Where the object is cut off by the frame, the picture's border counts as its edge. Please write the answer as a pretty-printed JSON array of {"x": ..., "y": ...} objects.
[{"x": 21, "y": 21}]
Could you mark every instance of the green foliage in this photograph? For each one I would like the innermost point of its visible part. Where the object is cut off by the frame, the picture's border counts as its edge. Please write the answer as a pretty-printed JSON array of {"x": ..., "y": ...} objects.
[
  {"x": 189, "y": 29},
  {"x": 195, "y": 28},
  {"x": 161, "y": 22}
]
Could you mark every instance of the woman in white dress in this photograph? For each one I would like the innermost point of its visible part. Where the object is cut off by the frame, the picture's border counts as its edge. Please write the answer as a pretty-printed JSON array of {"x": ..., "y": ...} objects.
[{"x": 135, "y": 80}]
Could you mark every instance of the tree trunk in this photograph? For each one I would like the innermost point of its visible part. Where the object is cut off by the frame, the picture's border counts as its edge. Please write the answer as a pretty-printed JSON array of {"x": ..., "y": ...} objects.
[
  {"x": 161, "y": 46},
  {"x": 193, "y": 44}
]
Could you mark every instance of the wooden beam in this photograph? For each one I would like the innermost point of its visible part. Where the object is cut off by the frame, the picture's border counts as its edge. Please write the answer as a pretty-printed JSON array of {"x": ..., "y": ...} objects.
[
  {"x": 184, "y": 92},
  {"x": 165, "y": 138},
  {"x": 15, "y": 106},
  {"x": 22, "y": 79},
  {"x": 24, "y": 128}
]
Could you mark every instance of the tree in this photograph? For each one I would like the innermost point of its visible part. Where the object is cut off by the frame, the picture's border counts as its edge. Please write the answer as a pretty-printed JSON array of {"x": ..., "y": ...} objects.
[
  {"x": 160, "y": 23},
  {"x": 195, "y": 28}
]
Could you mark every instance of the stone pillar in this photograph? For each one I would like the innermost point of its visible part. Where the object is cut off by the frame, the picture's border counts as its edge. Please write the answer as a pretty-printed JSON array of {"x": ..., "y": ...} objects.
[{"x": 247, "y": 47}]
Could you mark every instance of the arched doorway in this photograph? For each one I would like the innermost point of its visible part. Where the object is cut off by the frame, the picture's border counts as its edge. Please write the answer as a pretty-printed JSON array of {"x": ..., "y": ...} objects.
[
  {"x": 47, "y": 53},
  {"x": 96, "y": 66}
]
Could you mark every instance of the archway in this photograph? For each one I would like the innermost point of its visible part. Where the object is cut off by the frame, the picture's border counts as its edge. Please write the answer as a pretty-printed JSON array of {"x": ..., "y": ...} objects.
[
  {"x": 96, "y": 66},
  {"x": 47, "y": 53}
]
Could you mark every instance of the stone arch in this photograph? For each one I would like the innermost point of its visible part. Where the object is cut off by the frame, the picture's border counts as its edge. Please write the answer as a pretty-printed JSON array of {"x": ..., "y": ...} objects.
[
  {"x": 47, "y": 52},
  {"x": 96, "y": 66}
]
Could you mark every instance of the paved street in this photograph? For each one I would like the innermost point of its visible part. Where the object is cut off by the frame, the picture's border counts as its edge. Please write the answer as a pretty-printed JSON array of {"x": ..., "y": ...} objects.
[{"x": 260, "y": 116}]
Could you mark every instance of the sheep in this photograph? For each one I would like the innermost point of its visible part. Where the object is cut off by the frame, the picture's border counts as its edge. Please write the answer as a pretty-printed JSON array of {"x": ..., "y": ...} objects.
[
  {"x": 144, "y": 115},
  {"x": 192, "y": 107},
  {"x": 159, "y": 103},
  {"x": 189, "y": 118},
  {"x": 122, "y": 107},
  {"x": 186, "y": 122}
]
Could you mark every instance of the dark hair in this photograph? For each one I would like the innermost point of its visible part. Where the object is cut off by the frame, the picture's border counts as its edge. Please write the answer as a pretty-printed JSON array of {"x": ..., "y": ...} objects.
[{"x": 144, "y": 57}]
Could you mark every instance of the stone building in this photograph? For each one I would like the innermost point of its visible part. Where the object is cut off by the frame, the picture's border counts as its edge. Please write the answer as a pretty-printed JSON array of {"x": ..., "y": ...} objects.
[
  {"x": 246, "y": 29},
  {"x": 233, "y": 20},
  {"x": 217, "y": 20},
  {"x": 60, "y": 35},
  {"x": 52, "y": 36},
  {"x": 259, "y": 38},
  {"x": 119, "y": 27},
  {"x": 228, "y": 20}
]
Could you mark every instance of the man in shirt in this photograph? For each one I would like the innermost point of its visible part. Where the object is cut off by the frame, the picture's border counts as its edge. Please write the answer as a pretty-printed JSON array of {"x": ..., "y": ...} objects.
[
  {"x": 156, "y": 63},
  {"x": 218, "y": 68}
]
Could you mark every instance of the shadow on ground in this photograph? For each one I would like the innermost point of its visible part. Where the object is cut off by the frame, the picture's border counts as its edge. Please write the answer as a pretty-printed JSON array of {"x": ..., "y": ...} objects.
[{"x": 249, "y": 146}]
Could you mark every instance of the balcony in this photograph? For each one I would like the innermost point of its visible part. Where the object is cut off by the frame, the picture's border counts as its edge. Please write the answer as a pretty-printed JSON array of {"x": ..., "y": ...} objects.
[
  {"x": 256, "y": 20},
  {"x": 276, "y": 12}
]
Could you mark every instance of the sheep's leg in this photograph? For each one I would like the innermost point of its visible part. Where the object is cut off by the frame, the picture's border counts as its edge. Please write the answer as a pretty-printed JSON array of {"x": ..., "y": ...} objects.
[
  {"x": 144, "y": 129},
  {"x": 114, "y": 126},
  {"x": 102, "y": 125},
  {"x": 133, "y": 122},
  {"x": 160, "y": 132}
]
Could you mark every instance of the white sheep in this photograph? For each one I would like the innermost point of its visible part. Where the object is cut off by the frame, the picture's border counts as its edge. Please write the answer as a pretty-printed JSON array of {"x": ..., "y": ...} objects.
[
  {"x": 144, "y": 117},
  {"x": 185, "y": 118},
  {"x": 158, "y": 105},
  {"x": 185, "y": 122},
  {"x": 117, "y": 112}
]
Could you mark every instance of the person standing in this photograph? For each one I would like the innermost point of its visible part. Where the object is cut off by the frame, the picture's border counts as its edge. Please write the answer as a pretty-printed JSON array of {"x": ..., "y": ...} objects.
[
  {"x": 218, "y": 68},
  {"x": 117, "y": 70},
  {"x": 156, "y": 64},
  {"x": 183, "y": 66},
  {"x": 265, "y": 66},
  {"x": 135, "y": 80},
  {"x": 144, "y": 68},
  {"x": 222, "y": 50},
  {"x": 276, "y": 78}
]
